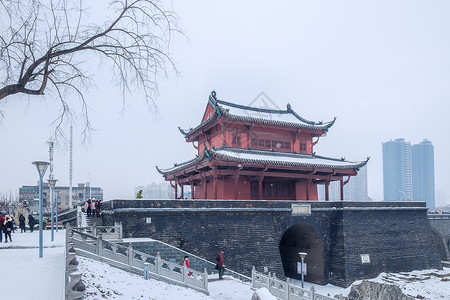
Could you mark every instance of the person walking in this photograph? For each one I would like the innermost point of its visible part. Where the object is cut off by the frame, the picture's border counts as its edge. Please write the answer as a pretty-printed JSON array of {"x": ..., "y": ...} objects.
[
  {"x": 7, "y": 228},
  {"x": 139, "y": 195},
  {"x": 31, "y": 222},
  {"x": 13, "y": 229},
  {"x": 186, "y": 262},
  {"x": 88, "y": 207},
  {"x": 220, "y": 264},
  {"x": 97, "y": 208},
  {"x": 22, "y": 223}
]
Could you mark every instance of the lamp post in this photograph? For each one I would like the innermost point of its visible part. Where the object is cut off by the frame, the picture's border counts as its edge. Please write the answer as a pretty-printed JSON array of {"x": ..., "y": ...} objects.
[
  {"x": 41, "y": 167},
  {"x": 51, "y": 183},
  {"x": 90, "y": 190},
  {"x": 56, "y": 211},
  {"x": 302, "y": 256}
]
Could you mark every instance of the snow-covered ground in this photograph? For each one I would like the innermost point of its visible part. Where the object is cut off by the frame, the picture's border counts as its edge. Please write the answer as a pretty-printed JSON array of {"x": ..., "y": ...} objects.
[{"x": 31, "y": 277}]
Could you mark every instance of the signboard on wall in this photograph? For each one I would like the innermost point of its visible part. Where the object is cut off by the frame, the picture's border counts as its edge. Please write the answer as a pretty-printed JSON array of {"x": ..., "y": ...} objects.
[
  {"x": 301, "y": 209},
  {"x": 299, "y": 266},
  {"x": 365, "y": 258}
]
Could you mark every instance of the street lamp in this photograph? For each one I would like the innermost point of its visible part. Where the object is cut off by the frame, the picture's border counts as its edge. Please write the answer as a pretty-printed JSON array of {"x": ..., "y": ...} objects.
[
  {"x": 56, "y": 211},
  {"x": 41, "y": 167},
  {"x": 302, "y": 256},
  {"x": 90, "y": 189},
  {"x": 51, "y": 183}
]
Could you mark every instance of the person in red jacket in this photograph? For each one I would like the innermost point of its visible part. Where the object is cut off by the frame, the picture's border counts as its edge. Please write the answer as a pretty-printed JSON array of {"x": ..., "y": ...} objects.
[
  {"x": 220, "y": 264},
  {"x": 186, "y": 262}
]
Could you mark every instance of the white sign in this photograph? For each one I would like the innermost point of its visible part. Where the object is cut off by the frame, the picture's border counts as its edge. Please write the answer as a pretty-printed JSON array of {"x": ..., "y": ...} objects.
[
  {"x": 301, "y": 209},
  {"x": 148, "y": 220},
  {"x": 365, "y": 258}
]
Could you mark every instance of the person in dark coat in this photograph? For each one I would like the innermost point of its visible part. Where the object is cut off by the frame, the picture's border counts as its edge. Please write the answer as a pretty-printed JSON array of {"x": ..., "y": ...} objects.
[
  {"x": 1, "y": 227},
  {"x": 7, "y": 228},
  {"x": 220, "y": 264},
  {"x": 31, "y": 222},
  {"x": 22, "y": 223},
  {"x": 88, "y": 207},
  {"x": 97, "y": 208}
]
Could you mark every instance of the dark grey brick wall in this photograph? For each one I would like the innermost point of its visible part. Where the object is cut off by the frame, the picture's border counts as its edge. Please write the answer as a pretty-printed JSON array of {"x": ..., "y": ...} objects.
[{"x": 396, "y": 235}]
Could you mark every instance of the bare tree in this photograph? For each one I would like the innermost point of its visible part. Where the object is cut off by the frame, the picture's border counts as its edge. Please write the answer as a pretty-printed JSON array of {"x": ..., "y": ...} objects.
[
  {"x": 46, "y": 47},
  {"x": 8, "y": 203}
]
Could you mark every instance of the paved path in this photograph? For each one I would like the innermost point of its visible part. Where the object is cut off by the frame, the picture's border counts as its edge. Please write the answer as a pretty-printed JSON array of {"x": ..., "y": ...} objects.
[{"x": 32, "y": 277}]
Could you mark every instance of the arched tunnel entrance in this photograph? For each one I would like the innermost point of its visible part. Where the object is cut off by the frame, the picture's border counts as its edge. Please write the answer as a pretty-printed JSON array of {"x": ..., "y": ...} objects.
[
  {"x": 440, "y": 245},
  {"x": 303, "y": 238}
]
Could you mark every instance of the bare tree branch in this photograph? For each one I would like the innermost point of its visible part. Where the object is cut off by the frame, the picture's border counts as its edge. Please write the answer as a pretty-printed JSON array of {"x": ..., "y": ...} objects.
[{"x": 46, "y": 45}]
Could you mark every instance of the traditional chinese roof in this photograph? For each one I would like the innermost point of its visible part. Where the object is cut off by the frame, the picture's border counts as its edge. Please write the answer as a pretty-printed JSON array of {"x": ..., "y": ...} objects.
[
  {"x": 265, "y": 157},
  {"x": 232, "y": 111}
]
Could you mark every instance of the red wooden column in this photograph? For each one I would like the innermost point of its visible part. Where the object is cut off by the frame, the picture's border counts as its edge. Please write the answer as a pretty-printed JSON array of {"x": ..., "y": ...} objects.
[
  {"x": 205, "y": 191},
  {"x": 260, "y": 179},
  {"x": 308, "y": 182},
  {"x": 327, "y": 190},
  {"x": 342, "y": 189},
  {"x": 191, "y": 182},
  {"x": 176, "y": 189},
  {"x": 236, "y": 181},
  {"x": 182, "y": 190},
  {"x": 215, "y": 186}
]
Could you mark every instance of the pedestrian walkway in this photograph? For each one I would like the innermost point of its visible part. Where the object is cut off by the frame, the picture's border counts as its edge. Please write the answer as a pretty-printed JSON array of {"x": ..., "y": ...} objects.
[{"x": 32, "y": 277}]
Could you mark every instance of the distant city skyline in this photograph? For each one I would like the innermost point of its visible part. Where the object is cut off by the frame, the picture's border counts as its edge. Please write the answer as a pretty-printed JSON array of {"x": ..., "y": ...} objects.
[{"x": 408, "y": 171}]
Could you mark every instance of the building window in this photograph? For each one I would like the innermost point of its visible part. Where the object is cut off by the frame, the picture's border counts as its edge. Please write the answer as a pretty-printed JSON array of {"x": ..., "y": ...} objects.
[
  {"x": 303, "y": 147},
  {"x": 271, "y": 144},
  {"x": 237, "y": 140}
]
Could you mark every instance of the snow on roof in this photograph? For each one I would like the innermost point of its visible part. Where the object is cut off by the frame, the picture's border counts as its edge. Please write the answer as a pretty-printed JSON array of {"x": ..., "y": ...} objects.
[
  {"x": 260, "y": 114},
  {"x": 287, "y": 118},
  {"x": 268, "y": 158},
  {"x": 283, "y": 158}
]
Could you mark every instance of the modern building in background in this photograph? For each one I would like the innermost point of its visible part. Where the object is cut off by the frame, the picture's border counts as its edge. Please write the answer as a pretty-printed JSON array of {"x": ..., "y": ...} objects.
[
  {"x": 80, "y": 193},
  {"x": 356, "y": 189},
  {"x": 397, "y": 175},
  {"x": 408, "y": 171},
  {"x": 156, "y": 191},
  {"x": 423, "y": 173}
]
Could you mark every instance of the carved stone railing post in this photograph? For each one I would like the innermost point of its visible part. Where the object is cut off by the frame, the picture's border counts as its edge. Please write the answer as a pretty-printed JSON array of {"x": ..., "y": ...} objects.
[
  {"x": 75, "y": 289},
  {"x": 185, "y": 272},
  {"x": 158, "y": 263},
  {"x": 130, "y": 255},
  {"x": 312, "y": 291},
  {"x": 253, "y": 277},
  {"x": 205, "y": 279},
  {"x": 100, "y": 245},
  {"x": 74, "y": 286},
  {"x": 119, "y": 227}
]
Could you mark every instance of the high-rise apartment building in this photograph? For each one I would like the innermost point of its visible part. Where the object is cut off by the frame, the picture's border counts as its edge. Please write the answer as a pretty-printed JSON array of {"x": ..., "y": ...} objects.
[
  {"x": 408, "y": 171},
  {"x": 423, "y": 173},
  {"x": 397, "y": 179}
]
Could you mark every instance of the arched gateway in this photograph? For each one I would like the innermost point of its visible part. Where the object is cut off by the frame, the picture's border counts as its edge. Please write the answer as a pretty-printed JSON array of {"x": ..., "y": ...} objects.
[{"x": 303, "y": 238}]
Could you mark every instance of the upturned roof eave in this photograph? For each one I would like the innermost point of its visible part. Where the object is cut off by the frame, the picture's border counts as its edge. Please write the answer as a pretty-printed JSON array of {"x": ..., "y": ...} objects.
[{"x": 213, "y": 154}]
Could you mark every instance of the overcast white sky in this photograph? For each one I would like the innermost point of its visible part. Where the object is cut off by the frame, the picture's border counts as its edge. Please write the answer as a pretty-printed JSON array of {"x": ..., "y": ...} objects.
[{"x": 381, "y": 67}]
